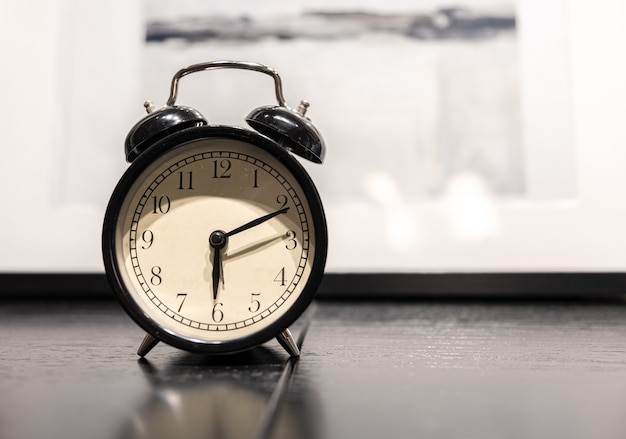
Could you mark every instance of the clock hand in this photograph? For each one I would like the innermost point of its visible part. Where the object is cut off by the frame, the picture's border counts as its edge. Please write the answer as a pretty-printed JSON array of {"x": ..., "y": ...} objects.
[
  {"x": 256, "y": 222},
  {"x": 250, "y": 248},
  {"x": 217, "y": 265},
  {"x": 217, "y": 240}
]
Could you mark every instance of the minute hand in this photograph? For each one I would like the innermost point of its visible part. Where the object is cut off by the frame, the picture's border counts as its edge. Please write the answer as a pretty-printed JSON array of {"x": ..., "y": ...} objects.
[{"x": 257, "y": 221}]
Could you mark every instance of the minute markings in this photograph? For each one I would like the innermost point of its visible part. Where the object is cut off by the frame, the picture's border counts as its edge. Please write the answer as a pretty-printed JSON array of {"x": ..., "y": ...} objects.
[{"x": 268, "y": 171}]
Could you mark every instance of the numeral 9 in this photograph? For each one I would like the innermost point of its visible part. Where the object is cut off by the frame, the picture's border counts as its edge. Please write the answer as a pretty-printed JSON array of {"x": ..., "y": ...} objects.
[{"x": 148, "y": 238}]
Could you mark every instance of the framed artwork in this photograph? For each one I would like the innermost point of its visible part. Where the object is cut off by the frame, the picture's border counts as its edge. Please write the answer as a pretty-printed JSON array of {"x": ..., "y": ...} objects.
[{"x": 434, "y": 114}]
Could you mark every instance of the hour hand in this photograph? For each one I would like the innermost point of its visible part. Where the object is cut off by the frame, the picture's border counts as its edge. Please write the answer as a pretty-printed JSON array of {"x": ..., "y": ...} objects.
[
  {"x": 217, "y": 240},
  {"x": 217, "y": 268}
]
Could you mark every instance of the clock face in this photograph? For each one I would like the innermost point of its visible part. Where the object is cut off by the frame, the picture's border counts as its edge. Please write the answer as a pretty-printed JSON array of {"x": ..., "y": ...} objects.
[{"x": 215, "y": 244}]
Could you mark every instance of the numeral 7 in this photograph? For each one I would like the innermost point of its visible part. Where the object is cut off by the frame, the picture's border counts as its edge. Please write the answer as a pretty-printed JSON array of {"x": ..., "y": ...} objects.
[{"x": 182, "y": 302}]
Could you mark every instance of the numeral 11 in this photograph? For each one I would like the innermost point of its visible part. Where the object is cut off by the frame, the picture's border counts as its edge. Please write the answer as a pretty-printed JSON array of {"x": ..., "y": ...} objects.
[{"x": 185, "y": 180}]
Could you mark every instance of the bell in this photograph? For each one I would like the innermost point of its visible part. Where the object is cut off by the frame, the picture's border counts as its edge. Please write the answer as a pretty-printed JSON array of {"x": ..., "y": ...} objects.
[
  {"x": 159, "y": 124},
  {"x": 290, "y": 129}
]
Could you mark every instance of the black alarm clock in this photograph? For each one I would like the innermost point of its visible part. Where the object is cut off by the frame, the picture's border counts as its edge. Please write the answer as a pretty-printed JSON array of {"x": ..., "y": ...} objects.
[{"x": 215, "y": 238}]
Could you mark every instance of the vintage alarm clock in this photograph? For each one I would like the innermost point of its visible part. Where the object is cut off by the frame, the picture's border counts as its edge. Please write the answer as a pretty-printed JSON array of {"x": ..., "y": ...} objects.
[{"x": 215, "y": 238}]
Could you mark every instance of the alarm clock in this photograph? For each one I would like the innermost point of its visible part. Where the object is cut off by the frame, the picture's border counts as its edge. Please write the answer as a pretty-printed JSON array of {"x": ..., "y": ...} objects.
[{"x": 215, "y": 239}]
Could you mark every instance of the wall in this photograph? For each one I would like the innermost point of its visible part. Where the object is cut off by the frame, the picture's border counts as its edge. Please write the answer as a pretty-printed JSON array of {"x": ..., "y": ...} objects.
[{"x": 43, "y": 126}]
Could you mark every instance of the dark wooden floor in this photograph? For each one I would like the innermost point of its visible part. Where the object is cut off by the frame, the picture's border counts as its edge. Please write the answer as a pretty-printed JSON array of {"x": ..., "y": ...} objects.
[{"x": 368, "y": 370}]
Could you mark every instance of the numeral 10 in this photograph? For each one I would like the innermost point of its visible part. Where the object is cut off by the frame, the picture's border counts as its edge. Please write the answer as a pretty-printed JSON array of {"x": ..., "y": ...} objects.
[{"x": 161, "y": 204}]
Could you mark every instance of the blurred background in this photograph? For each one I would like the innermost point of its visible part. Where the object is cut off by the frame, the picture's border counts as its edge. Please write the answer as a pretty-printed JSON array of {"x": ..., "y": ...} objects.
[{"x": 463, "y": 136}]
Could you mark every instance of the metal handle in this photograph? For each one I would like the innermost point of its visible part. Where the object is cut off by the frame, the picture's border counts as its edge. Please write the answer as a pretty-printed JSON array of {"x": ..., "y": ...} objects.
[{"x": 212, "y": 65}]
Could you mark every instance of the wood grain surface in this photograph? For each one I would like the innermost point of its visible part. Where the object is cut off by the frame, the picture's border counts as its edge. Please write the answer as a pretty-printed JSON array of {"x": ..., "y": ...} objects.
[{"x": 368, "y": 369}]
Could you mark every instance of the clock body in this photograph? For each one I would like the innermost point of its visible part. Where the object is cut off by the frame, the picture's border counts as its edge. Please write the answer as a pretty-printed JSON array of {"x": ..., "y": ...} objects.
[{"x": 169, "y": 205}]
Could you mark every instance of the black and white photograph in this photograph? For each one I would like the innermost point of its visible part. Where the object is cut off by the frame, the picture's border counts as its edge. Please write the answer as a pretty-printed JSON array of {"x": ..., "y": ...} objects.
[{"x": 392, "y": 84}]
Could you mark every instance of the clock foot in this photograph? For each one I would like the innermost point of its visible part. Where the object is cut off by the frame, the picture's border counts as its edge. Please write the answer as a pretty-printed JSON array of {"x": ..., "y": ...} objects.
[
  {"x": 146, "y": 345},
  {"x": 286, "y": 341}
]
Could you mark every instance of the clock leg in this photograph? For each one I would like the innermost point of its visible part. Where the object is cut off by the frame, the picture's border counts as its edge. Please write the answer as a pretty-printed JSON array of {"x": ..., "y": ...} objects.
[
  {"x": 286, "y": 341},
  {"x": 146, "y": 345}
]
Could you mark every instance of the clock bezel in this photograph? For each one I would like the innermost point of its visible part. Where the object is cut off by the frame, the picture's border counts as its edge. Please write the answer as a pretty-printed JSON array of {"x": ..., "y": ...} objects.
[{"x": 112, "y": 265}]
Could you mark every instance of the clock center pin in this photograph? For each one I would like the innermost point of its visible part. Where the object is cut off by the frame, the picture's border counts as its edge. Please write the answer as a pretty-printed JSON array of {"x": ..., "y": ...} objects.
[{"x": 218, "y": 239}]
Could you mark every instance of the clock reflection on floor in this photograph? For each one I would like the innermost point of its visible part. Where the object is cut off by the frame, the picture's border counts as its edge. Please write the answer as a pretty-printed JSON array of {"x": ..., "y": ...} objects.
[{"x": 203, "y": 401}]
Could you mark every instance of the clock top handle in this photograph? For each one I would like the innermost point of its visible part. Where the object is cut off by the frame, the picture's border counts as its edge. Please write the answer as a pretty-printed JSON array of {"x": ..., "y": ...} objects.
[{"x": 213, "y": 65}]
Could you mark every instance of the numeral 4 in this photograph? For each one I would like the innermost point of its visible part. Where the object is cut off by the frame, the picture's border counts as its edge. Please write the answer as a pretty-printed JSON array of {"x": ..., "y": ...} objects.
[{"x": 280, "y": 277}]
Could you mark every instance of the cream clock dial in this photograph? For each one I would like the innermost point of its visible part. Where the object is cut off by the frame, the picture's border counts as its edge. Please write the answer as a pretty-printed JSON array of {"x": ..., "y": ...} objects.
[{"x": 181, "y": 255}]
